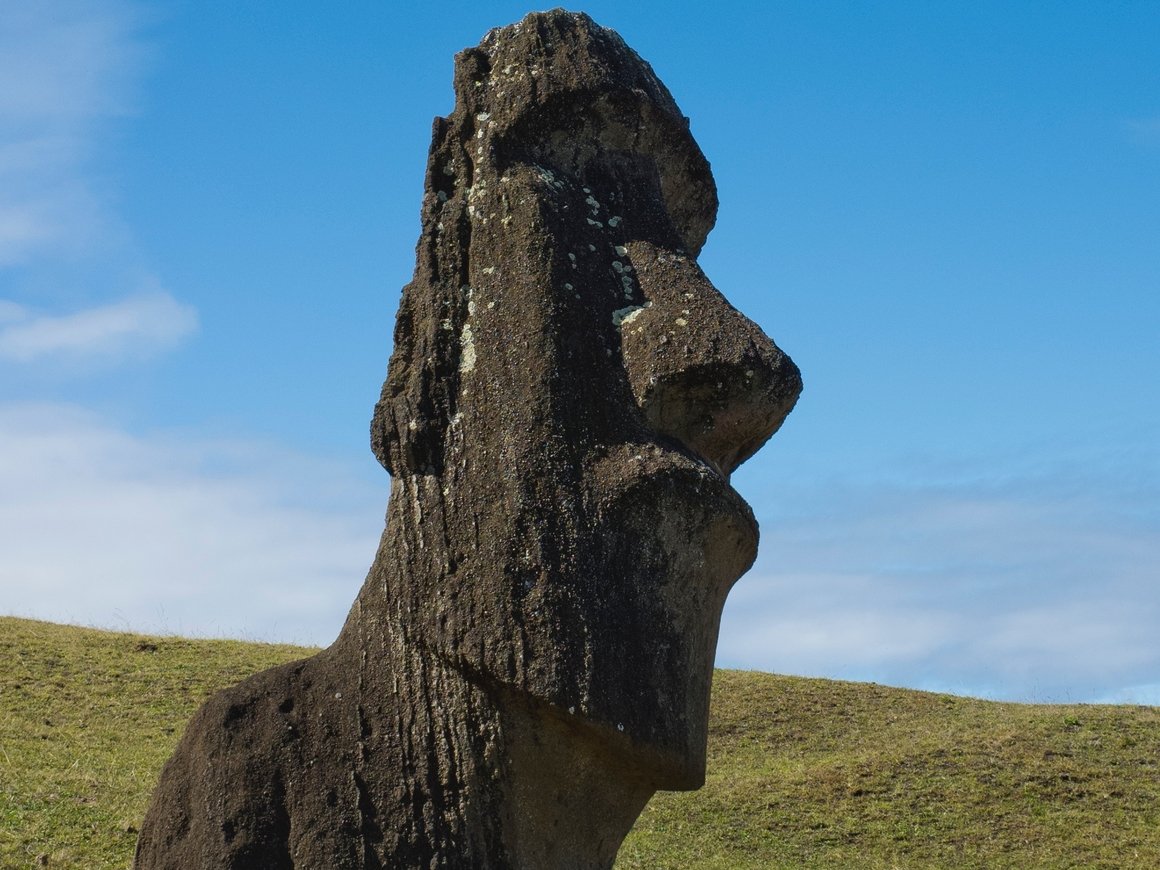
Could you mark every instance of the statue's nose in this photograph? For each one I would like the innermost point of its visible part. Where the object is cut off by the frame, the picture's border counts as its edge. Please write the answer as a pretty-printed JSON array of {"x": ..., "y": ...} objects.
[{"x": 701, "y": 371}]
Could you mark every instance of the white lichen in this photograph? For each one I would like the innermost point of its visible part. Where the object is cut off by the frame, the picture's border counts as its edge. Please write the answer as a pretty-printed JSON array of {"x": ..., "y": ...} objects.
[
  {"x": 466, "y": 350},
  {"x": 621, "y": 316}
]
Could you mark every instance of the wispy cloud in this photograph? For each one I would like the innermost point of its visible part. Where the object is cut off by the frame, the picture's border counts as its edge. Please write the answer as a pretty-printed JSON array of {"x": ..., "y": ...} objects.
[
  {"x": 73, "y": 56},
  {"x": 130, "y": 327},
  {"x": 1148, "y": 694},
  {"x": 170, "y": 533},
  {"x": 1146, "y": 131},
  {"x": 69, "y": 68},
  {"x": 99, "y": 525},
  {"x": 66, "y": 67},
  {"x": 1035, "y": 589}
]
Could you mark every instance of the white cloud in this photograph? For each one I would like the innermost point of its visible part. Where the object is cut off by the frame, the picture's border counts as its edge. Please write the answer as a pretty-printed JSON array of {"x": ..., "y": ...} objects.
[
  {"x": 1036, "y": 589},
  {"x": 130, "y": 327},
  {"x": 162, "y": 533}
]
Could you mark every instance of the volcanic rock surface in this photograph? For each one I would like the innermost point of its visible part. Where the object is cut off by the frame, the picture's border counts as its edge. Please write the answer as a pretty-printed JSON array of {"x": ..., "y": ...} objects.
[{"x": 530, "y": 656}]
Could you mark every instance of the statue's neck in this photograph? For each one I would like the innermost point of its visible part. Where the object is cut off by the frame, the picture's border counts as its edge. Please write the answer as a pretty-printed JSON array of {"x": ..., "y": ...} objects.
[
  {"x": 570, "y": 805},
  {"x": 488, "y": 778}
]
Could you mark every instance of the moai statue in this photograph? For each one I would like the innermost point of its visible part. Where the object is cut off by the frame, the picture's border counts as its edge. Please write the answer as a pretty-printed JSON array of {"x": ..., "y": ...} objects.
[{"x": 530, "y": 657}]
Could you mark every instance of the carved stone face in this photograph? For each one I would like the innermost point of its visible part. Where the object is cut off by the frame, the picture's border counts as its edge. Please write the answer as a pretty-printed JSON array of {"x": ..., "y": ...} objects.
[{"x": 567, "y": 397}]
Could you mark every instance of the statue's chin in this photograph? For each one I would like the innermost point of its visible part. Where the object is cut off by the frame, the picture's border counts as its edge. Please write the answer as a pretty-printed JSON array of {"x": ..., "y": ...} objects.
[
  {"x": 667, "y": 538},
  {"x": 679, "y": 536}
]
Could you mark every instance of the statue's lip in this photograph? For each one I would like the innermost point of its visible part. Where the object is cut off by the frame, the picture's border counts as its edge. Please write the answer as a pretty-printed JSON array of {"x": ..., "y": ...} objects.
[
  {"x": 630, "y": 465},
  {"x": 711, "y": 465}
]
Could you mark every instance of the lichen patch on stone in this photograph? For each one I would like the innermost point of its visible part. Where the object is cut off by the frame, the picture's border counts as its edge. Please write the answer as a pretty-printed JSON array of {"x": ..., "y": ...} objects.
[
  {"x": 466, "y": 350},
  {"x": 621, "y": 316}
]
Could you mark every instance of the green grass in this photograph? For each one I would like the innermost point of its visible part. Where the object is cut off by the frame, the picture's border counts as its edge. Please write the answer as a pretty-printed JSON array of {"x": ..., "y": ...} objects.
[
  {"x": 816, "y": 773},
  {"x": 802, "y": 773},
  {"x": 87, "y": 718}
]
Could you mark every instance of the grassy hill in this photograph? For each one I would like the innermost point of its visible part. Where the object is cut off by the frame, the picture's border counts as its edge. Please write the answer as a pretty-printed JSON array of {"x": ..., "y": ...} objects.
[{"x": 802, "y": 773}]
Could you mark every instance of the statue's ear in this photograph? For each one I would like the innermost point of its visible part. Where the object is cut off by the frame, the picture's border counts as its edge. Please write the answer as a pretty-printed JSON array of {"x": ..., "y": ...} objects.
[
  {"x": 418, "y": 397},
  {"x": 411, "y": 416}
]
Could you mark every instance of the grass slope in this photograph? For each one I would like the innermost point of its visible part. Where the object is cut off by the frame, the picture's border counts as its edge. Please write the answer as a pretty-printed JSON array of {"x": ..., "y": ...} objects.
[{"x": 802, "y": 773}]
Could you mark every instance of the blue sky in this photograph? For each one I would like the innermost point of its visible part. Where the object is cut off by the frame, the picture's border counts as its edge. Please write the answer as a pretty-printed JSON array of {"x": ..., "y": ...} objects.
[{"x": 946, "y": 213}]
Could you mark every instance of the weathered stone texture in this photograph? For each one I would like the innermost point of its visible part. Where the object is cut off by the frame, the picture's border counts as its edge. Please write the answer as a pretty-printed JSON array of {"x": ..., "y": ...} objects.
[{"x": 530, "y": 656}]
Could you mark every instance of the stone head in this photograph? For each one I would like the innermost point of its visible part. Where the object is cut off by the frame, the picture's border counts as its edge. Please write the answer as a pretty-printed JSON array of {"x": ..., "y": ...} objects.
[{"x": 568, "y": 395}]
